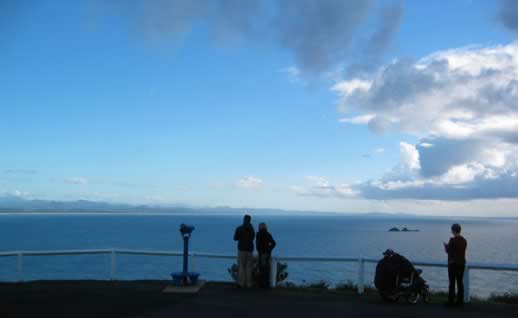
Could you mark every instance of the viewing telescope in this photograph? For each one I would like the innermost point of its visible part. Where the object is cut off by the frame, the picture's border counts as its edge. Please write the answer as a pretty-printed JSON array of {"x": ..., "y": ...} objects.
[{"x": 185, "y": 278}]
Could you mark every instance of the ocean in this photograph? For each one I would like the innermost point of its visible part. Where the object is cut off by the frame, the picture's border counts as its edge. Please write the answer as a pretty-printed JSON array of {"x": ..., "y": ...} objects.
[{"x": 489, "y": 241}]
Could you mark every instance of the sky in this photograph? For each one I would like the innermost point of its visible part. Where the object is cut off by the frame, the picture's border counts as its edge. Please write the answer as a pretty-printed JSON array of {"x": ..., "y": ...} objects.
[{"x": 346, "y": 106}]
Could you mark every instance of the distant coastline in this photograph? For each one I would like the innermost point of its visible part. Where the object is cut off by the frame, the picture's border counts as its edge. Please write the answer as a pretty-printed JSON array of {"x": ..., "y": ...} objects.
[{"x": 10, "y": 205}]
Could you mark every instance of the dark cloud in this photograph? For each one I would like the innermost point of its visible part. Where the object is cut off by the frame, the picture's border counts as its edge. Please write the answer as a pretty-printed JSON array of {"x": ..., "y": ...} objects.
[
  {"x": 508, "y": 14},
  {"x": 379, "y": 41},
  {"x": 399, "y": 82},
  {"x": 318, "y": 33},
  {"x": 446, "y": 153},
  {"x": 390, "y": 23}
]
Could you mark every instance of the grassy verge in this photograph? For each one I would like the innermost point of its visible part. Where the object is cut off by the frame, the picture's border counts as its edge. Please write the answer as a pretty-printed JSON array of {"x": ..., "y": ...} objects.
[
  {"x": 505, "y": 298},
  {"x": 350, "y": 288},
  {"x": 323, "y": 286}
]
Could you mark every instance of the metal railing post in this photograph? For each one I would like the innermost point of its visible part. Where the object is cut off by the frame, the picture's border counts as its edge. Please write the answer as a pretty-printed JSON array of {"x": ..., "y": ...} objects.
[
  {"x": 467, "y": 296},
  {"x": 273, "y": 272},
  {"x": 361, "y": 274},
  {"x": 20, "y": 266},
  {"x": 113, "y": 266}
]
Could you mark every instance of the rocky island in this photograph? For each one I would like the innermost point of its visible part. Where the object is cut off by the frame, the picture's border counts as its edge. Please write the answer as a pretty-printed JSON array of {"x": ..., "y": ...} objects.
[{"x": 395, "y": 229}]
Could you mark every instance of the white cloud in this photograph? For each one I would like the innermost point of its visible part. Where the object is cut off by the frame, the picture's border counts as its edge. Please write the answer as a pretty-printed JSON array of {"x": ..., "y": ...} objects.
[
  {"x": 349, "y": 87},
  {"x": 375, "y": 152},
  {"x": 294, "y": 74},
  {"x": 76, "y": 180},
  {"x": 462, "y": 173},
  {"x": 455, "y": 94},
  {"x": 250, "y": 182},
  {"x": 450, "y": 171},
  {"x": 320, "y": 187},
  {"x": 409, "y": 157},
  {"x": 357, "y": 120},
  {"x": 461, "y": 104},
  {"x": 20, "y": 171},
  {"x": 155, "y": 198},
  {"x": 20, "y": 194}
]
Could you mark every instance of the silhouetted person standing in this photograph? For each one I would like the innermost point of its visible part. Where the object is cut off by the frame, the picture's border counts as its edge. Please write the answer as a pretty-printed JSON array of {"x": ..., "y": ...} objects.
[
  {"x": 456, "y": 249},
  {"x": 264, "y": 243},
  {"x": 244, "y": 235}
]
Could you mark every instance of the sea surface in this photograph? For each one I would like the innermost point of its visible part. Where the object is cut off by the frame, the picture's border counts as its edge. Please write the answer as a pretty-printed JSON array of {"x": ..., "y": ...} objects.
[{"x": 489, "y": 241}]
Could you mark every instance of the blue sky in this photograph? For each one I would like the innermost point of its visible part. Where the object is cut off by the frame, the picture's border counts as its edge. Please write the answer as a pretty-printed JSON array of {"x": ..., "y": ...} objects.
[{"x": 155, "y": 103}]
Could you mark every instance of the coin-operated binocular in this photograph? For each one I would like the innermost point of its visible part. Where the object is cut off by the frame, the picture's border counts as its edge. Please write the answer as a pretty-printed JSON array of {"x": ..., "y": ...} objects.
[{"x": 185, "y": 278}]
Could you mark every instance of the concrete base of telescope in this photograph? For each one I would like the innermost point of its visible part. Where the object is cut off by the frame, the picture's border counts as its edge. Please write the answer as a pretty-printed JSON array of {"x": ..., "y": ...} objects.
[{"x": 192, "y": 289}]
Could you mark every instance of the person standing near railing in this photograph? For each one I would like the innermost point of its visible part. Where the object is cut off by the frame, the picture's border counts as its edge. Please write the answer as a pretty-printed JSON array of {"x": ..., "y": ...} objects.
[
  {"x": 244, "y": 236},
  {"x": 456, "y": 250},
  {"x": 265, "y": 244}
]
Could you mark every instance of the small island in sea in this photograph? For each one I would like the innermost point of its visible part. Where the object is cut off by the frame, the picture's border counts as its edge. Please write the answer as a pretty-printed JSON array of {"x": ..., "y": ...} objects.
[{"x": 395, "y": 229}]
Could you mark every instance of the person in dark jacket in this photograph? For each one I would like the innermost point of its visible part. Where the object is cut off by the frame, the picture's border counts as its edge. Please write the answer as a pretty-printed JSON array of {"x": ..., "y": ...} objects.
[
  {"x": 456, "y": 250},
  {"x": 264, "y": 243},
  {"x": 244, "y": 236}
]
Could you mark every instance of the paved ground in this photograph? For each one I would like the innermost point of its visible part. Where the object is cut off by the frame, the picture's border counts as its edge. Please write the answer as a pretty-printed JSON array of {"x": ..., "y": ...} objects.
[{"x": 145, "y": 299}]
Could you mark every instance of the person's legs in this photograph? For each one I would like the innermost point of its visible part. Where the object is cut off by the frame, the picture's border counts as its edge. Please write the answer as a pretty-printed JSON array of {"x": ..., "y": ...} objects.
[
  {"x": 264, "y": 266},
  {"x": 451, "y": 278},
  {"x": 241, "y": 259},
  {"x": 248, "y": 269},
  {"x": 459, "y": 275},
  {"x": 260, "y": 267},
  {"x": 267, "y": 270}
]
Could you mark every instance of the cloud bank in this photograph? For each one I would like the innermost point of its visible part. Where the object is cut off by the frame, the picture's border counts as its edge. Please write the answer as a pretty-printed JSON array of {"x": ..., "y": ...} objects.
[{"x": 461, "y": 104}]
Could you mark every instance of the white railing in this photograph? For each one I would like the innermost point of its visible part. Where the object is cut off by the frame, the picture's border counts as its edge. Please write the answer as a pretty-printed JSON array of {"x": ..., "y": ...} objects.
[{"x": 360, "y": 261}]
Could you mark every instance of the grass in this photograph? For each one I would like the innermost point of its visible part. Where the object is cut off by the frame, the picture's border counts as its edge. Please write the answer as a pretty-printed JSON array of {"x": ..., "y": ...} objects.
[
  {"x": 344, "y": 288},
  {"x": 320, "y": 285},
  {"x": 351, "y": 288},
  {"x": 505, "y": 298}
]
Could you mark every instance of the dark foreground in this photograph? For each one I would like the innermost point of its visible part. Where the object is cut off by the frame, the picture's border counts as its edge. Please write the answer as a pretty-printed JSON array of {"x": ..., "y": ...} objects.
[{"x": 145, "y": 299}]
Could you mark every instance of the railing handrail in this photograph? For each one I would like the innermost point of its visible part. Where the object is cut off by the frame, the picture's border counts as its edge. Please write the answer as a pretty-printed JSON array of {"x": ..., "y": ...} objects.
[
  {"x": 471, "y": 265},
  {"x": 55, "y": 252},
  {"x": 360, "y": 260}
]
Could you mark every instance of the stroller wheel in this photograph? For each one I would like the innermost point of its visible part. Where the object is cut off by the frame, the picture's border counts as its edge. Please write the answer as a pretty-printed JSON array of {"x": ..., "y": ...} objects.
[
  {"x": 426, "y": 295},
  {"x": 413, "y": 298}
]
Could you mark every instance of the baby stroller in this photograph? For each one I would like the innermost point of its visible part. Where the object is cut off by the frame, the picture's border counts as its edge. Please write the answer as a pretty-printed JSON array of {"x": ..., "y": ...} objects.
[{"x": 396, "y": 277}]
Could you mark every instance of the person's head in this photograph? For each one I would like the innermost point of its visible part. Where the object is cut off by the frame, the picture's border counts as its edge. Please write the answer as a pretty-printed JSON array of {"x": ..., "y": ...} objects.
[
  {"x": 247, "y": 219},
  {"x": 263, "y": 227},
  {"x": 455, "y": 229},
  {"x": 389, "y": 253}
]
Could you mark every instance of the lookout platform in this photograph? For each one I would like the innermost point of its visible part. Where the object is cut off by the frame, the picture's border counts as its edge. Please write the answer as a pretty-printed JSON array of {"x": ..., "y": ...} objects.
[{"x": 146, "y": 299}]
